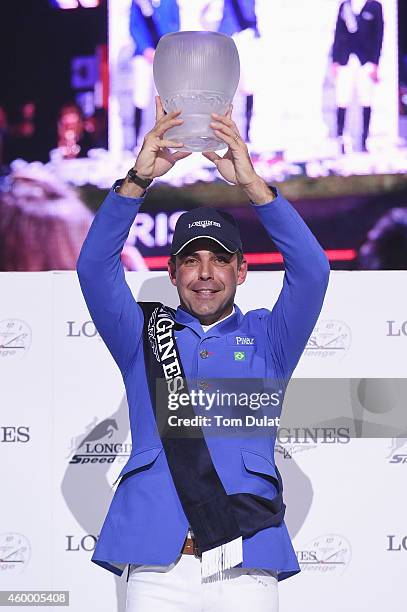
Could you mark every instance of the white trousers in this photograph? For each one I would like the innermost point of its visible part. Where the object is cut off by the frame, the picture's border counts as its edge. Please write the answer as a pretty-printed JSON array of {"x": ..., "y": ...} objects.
[
  {"x": 354, "y": 75},
  {"x": 178, "y": 587}
]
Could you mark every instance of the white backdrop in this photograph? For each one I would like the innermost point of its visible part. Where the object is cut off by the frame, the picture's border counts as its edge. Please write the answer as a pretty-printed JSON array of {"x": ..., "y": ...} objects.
[{"x": 62, "y": 396}]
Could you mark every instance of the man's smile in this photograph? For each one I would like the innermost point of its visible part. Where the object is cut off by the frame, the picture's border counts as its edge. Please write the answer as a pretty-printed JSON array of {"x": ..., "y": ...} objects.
[{"x": 205, "y": 293}]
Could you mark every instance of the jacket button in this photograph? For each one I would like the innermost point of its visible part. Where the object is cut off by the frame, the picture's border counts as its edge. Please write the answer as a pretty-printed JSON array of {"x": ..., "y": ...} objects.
[{"x": 204, "y": 354}]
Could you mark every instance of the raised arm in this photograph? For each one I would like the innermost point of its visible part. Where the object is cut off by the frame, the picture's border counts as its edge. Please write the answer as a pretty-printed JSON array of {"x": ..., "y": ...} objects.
[
  {"x": 110, "y": 302},
  {"x": 306, "y": 276},
  {"x": 295, "y": 313},
  {"x": 114, "y": 311}
]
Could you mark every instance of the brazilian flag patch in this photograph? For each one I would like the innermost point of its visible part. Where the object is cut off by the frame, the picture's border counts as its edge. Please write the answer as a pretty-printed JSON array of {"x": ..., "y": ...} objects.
[{"x": 240, "y": 356}]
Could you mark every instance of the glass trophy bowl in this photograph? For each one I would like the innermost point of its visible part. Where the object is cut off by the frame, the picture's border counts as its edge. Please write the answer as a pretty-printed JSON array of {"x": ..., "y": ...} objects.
[{"x": 197, "y": 73}]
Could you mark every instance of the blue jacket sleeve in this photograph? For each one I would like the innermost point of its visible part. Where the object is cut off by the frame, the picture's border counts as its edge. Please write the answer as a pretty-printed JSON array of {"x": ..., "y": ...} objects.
[
  {"x": 111, "y": 304},
  {"x": 306, "y": 275}
]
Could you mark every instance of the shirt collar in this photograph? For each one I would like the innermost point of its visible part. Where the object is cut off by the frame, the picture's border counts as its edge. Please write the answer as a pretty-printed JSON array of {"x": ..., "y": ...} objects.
[
  {"x": 206, "y": 328},
  {"x": 225, "y": 326}
]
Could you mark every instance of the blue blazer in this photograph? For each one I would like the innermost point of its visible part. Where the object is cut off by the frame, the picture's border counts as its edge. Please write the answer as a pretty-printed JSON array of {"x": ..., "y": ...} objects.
[{"x": 145, "y": 522}]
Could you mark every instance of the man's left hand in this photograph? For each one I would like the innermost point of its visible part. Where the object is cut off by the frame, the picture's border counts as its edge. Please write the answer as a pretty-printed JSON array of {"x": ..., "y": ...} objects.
[{"x": 235, "y": 166}]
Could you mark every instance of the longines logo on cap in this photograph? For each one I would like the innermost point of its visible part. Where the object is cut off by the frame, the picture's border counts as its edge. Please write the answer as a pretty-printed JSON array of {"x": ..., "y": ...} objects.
[{"x": 205, "y": 223}]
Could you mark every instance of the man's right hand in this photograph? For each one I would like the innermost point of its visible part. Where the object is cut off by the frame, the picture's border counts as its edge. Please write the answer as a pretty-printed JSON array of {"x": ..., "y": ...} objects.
[{"x": 154, "y": 158}]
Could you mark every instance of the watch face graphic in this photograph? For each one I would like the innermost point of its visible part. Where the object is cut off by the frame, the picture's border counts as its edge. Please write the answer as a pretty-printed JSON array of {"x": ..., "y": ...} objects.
[
  {"x": 329, "y": 339},
  {"x": 15, "y": 338},
  {"x": 15, "y": 552},
  {"x": 328, "y": 553}
]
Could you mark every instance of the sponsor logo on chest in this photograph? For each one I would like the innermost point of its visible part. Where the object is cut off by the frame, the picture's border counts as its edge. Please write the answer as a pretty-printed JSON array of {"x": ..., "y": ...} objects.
[{"x": 245, "y": 340}]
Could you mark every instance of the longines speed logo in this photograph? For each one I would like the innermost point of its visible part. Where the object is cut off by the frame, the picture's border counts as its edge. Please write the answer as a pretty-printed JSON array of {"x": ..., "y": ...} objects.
[
  {"x": 397, "y": 445},
  {"x": 330, "y": 339},
  {"x": 15, "y": 338},
  {"x": 97, "y": 446},
  {"x": 15, "y": 553},
  {"x": 328, "y": 553}
]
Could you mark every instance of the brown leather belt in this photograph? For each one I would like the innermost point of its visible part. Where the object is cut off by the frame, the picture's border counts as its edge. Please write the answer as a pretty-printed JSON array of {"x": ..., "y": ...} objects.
[{"x": 190, "y": 547}]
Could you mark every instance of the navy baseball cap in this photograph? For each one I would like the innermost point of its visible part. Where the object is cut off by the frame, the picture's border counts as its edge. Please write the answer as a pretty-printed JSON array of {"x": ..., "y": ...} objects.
[{"x": 210, "y": 223}]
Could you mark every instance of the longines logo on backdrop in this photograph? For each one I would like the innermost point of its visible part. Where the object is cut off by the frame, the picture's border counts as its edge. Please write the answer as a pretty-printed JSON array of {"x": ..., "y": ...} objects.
[
  {"x": 85, "y": 329},
  {"x": 398, "y": 444},
  {"x": 97, "y": 446},
  {"x": 296, "y": 439},
  {"x": 396, "y": 329},
  {"x": 75, "y": 543},
  {"x": 14, "y": 433},
  {"x": 396, "y": 543},
  {"x": 327, "y": 553},
  {"x": 15, "y": 338},
  {"x": 15, "y": 553},
  {"x": 330, "y": 339}
]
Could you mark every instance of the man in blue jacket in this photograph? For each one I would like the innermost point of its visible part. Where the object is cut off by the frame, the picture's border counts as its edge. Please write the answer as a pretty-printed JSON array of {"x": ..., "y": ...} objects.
[{"x": 193, "y": 509}]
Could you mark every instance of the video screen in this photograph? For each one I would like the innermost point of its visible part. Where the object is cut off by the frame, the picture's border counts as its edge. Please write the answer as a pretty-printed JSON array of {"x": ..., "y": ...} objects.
[
  {"x": 321, "y": 104},
  {"x": 318, "y": 89}
]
